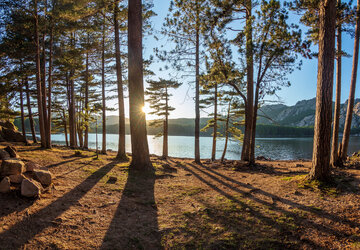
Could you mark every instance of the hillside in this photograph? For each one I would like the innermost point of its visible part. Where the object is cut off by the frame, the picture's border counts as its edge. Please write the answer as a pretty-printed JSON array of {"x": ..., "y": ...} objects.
[{"x": 302, "y": 114}]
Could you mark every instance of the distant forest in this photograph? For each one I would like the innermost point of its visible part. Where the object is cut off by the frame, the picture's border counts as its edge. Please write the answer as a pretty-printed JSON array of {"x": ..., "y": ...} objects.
[{"x": 185, "y": 127}]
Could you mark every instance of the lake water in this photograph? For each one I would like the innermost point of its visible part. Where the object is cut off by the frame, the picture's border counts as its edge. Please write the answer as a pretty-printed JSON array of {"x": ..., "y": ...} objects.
[{"x": 183, "y": 146}]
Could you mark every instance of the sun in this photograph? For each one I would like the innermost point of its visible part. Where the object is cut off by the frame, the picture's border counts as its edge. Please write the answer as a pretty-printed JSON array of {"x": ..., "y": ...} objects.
[{"x": 145, "y": 109}]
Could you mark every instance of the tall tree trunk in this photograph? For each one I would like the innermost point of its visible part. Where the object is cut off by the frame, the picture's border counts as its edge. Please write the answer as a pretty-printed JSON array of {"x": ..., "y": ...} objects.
[
  {"x": 72, "y": 121},
  {"x": 86, "y": 136},
  {"x": 65, "y": 129},
  {"x": 22, "y": 111},
  {"x": 245, "y": 154},
  {"x": 79, "y": 123},
  {"x": 31, "y": 119},
  {"x": 226, "y": 133},
  {"x": 103, "y": 149},
  {"x": 197, "y": 87},
  {"x": 253, "y": 125},
  {"x": 166, "y": 122},
  {"x": 48, "y": 127},
  {"x": 72, "y": 113},
  {"x": 213, "y": 152},
  {"x": 335, "y": 136},
  {"x": 38, "y": 78},
  {"x": 121, "y": 155},
  {"x": 322, "y": 131},
  {"x": 350, "y": 107},
  {"x": 43, "y": 81},
  {"x": 139, "y": 142}
]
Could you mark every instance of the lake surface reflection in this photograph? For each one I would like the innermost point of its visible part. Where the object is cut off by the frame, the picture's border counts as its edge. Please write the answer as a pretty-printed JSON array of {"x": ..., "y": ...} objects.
[{"x": 183, "y": 146}]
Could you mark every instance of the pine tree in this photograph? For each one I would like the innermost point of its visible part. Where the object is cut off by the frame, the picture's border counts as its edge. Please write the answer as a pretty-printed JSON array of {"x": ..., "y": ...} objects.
[
  {"x": 322, "y": 131},
  {"x": 158, "y": 98},
  {"x": 121, "y": 155},
  {"x": 271, "y": 53},
  {"x": 185, "y": 28},
  {"x": 234, "y": 119},
  {"x": 139, "y": 144},
  {"x": 350, "y": 107}
]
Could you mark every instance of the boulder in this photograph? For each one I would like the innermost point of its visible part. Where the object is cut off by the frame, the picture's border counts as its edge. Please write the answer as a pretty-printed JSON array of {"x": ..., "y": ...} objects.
[
  {"x": 12, "y": 167},
  {"x": 31, "y": 166},
  {"x": 8, "y": 125},
  {"x": 12, "y": 135},
  {"x": 5, "y": 185},
  {"x": 11, "y": 151},
  {"x": 4, "y": 155},
  {"x": 16, "y": 178},
  {"x": 30, "y": 188},
  {"x": 43, "y": 176}
]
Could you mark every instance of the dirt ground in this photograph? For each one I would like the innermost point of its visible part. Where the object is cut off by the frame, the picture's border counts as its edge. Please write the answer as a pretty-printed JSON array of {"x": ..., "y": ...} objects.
[{"x": 181, "y": 205}]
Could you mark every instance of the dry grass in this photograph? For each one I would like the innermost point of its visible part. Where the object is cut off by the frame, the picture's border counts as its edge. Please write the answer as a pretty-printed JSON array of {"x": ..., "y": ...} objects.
[{"x": 180, "y": 205}]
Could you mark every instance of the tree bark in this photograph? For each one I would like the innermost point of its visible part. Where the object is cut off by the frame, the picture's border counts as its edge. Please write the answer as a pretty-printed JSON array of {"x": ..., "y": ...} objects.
[
  {"x": 86, "y": 136},
  {"x": 31, "y": 119},
  {"x": 22, "y": 111},
  {"x": 38, "y": 78},
  {"x": 245, "y": 154},
  {"x": 335, "y": 135},
  {"x": 48, "y": 127},
  {"x": 121, "y": 155},
  {"x": 43, "y": 82},
  {"x": 65, "y": 129},
  {"x": 166, "y": 122},
  {"x": 226, "y": 133},
  {"x": 322, "y": 131},
  {"x": 253, "y": 125},
  {"x": 213, "y": 152},
  {"x": 78, "y": 126},
  {"x": 72, "y": 113},
  {"x": 139, "y": 143},
  {"x": 350, "y": 107},
  {"x": 197, "y": 88},
  {"x": 103, "y": 148}
]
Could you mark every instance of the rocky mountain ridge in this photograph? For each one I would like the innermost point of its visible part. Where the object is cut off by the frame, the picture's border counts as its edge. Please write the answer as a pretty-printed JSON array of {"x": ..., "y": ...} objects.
[{"x": 302, "y": 114}]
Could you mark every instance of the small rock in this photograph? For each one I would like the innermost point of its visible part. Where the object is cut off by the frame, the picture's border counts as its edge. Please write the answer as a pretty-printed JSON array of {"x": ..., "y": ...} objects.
[
  {"x": 5, "y": 185},
  {"x": 4, "y": 155},
  {"x": 247, "y": 209},
  {"x": 31, "y": 166},
  {"x": 262, "y": 158},
  {"x": 43, "y": 176},
  {"x": 16, "y": 178},
  {"x": 297, "y": 193},
  {"x": 30, "y": 188},
  {"x": 112, "y": 180},
  {"x": 12, "y": 167},
  {"x": 11, "y": 151}
]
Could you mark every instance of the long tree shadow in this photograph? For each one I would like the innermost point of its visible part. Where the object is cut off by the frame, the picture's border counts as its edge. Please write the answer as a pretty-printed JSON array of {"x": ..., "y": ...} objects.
[
  {"x": 37, "y": 222},
  {"x": 272, "y": 206},
  {"x": 212, "y": 174},
  {"x": 135, "y": 224},
  {"x": 13, "y": 202},
  {"x": 73, "y": 158}
]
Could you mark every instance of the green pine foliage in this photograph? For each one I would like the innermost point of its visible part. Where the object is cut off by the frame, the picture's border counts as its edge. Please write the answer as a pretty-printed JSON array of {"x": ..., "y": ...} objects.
[{"x": 158, "y": 96}]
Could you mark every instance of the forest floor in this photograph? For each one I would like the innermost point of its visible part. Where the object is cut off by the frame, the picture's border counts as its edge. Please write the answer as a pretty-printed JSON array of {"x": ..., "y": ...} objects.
[{"x": 181, "y": 205}]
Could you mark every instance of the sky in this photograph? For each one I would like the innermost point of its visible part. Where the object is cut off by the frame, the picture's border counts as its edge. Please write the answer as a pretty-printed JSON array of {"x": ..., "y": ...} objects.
[{"x": 303, "y": 82}]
